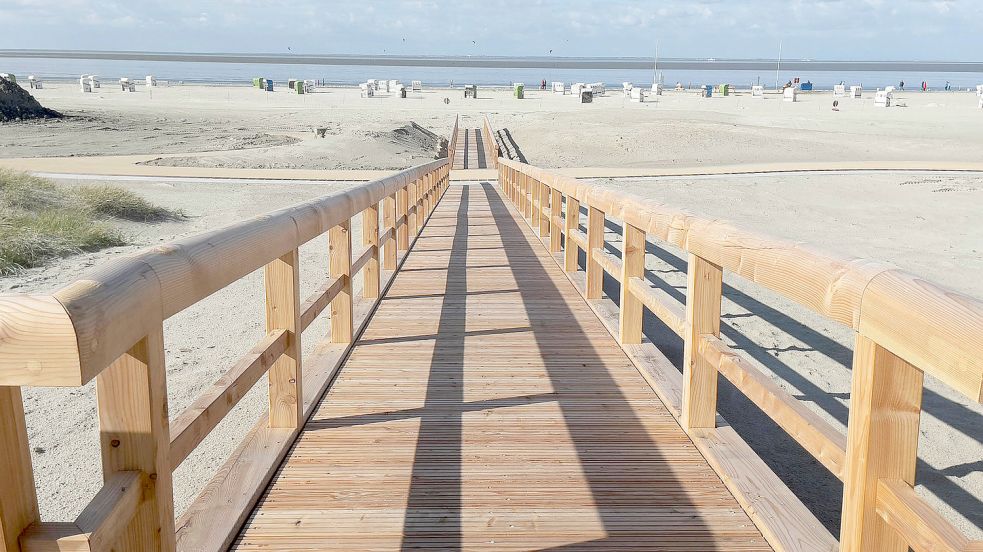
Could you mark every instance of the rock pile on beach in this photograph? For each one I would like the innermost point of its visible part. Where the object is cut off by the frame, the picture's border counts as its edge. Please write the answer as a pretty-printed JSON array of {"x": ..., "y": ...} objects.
[{"x": 17, "y": 104}]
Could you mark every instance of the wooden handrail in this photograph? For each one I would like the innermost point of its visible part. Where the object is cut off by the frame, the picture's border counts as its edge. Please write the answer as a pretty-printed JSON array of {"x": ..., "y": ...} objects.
[
  {"x": 112, "y": 308},
  {"x": 492, "y": 151},
  {"x": 905, "y": 327},
  {"x": 110, "y": 326}
]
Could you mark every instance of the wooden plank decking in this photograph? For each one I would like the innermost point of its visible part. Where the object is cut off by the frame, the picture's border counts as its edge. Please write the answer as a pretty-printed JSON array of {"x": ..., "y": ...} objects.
[
  {"x": 470, "y": 150},
  {"x": 486, "y": 407}
]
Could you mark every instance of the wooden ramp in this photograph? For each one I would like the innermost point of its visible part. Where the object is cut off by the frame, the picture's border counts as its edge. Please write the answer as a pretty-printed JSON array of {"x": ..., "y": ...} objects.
[
  {"x": 486, "y": 407},
  {"x": 470, "y": 150}
]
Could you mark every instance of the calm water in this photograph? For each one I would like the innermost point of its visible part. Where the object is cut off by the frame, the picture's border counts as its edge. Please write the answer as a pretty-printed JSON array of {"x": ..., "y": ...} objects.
[{"x": 242, "y": 73}]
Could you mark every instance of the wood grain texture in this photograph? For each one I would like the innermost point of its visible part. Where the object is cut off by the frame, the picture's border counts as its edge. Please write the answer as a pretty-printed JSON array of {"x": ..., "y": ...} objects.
[
  {"x": 935, "y": 329},
  {"x": 389, "y": 222},
  {"x": 921, "y": 527},
  {"x": 672, "y": 313},
  {"x": 340, "y": 268},
  {"x": 595, "y": 240},
  {"x": 572, "y": 224},
  {"x": 37, "y": 344},
  {"x": 319, "y": 300},
  {"x": 882, "y": 442},
  {"x": 824, "y": 442},
  {"x": 370, "y": 239},
  {"x": 632, "y": 266},
  {"x": 283, "y": 312},
  {"x": 18, "y": 499},
  {"x": 134, "y": 436},
  {"x": 211, "y": 407},
  {"x": 556, "y": 224},
  {"x": 105, "y": 518},
  {"x": 703, "y": 295},
  {"x": 608, "y": 262},
  {"x": 512, "y": 419}
]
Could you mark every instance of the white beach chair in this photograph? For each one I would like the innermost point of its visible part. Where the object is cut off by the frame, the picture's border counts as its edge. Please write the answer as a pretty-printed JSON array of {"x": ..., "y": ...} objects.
[
  {"x": 559, "y": 88},
  {"x": 839, "y": 91},
  {"x": 151, "y": 81},
  {"x": 758, "y": 91},
  {"x": 627, "y": 87},
  {"x": 856, "y": 92},
  {"x": 576, "y": 88},
  {"x": 598, "y": 88},
  {"x": 637, "y": 95},
  {"x": 883, "y": 98},
  {"x": 657, "y": 88},
  {"x": 368, "y": 89},
  {"x": 791, "y": 94},
  {"x": 416, "y": 86}
]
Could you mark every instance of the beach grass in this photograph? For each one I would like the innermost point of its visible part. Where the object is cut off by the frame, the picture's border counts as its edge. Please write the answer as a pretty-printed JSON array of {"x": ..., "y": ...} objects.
[{"x": 41, "y": 220}]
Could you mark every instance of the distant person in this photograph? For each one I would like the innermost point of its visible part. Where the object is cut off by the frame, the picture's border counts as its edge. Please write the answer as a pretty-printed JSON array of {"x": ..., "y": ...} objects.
[
  {"x": 901, "y": 86},
  {"x": 924, "y": 86},
  {"x": 947, "y": 87}
]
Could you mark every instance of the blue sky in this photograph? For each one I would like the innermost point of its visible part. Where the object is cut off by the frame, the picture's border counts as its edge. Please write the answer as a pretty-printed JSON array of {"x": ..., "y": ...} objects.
[{"x": 828, "y": 29}]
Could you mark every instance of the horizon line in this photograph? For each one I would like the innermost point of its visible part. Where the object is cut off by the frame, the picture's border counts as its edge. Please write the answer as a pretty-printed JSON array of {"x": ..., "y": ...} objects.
[{"x": 505, "y": 62}]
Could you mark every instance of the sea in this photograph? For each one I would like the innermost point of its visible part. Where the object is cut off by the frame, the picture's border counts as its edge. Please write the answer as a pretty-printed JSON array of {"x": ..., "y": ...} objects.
[{"x": 220, "y": 73}]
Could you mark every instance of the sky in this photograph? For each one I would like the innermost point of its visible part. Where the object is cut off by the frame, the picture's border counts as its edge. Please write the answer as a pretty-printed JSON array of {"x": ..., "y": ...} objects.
[{"x": 949, "y": 30}]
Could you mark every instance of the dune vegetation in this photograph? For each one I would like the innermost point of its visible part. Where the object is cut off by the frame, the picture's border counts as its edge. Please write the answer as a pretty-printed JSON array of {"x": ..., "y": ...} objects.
[{"x": 41, "y": 220}]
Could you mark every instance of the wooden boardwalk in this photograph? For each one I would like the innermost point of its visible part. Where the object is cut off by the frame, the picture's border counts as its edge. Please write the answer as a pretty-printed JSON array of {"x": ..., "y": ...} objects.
[
  {"x": 471, "y": 150},
  {"x": 486, "y": 407}
]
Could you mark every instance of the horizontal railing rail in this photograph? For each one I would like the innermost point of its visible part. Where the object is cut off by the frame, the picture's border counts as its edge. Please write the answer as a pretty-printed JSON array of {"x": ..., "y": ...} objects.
[
  {"x": 905, "y": 327},
  {"x": 452, "y": 144},
  {"x": 109, "y": 327}
]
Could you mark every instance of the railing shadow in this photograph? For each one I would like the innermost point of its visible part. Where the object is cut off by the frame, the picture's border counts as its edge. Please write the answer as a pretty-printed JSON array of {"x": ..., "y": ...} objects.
[{"x": 819, "y": 490}]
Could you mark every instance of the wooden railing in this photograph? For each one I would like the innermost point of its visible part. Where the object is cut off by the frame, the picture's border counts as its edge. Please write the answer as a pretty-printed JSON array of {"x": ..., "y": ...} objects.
[
  {"x": 492, "y": 151},
  {"x": 452, "y": 145},
  {"x": 109, "y": 327},
  {"x": 905, "y": 327}
]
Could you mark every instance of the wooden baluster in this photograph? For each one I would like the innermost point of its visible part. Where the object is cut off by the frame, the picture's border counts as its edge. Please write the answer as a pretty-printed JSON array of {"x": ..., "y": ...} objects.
[
  {"x": 882, "y": 443},
  {"x": 632, "y": 266},
  {"x": 370, "y": 238},
  {"x": 595, "y": 238},
  {"x": 402, "y": 219},
  {"x": 18, "y": 499},
  {"x": 572, "y": 221},
  {"x": 283, "y": 313},
  {"x": 545, "y": 209},
  {"x": 340, "y": 260},
  {"x": 535, "y": 203},
  {"x": 411, "y": 211},
  {"x": 527, "y": 196},
  {"x": 135, "y": 436},
  {"x": 389, "y": 221},
  {"x": 703, "y": 295},
  {"x": 556, "y": 208},
  {"x": 420, "y": 213}
]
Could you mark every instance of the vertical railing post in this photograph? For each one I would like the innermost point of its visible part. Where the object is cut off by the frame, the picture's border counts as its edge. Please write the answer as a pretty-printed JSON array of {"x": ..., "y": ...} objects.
[
  {"x": 411, "y": 210},
  {"x": 535, "y": 202},
  {"x": 527, "y": 195},
  {"x": 340, "y": 266},
  {"x": 283, "y": 313},
  {"x": 632, "y": 266},
  {"x": 545, "y": 209},
  {"x": 882, "y": 443},
  {"x": 402, "y": 219},
  {"x": 389, "y": 221},
  {"x": 135, "y": 436},
  {"x": 371, "y": 275},
  {"x": 703, "y": 295},
  {"x": 18, "y": 498},
  {"x": 595, "y": 239},
  {"x": 572, "y": 220},
  {"x": 420, "y": 212},
  {"x": 556, "y": 208}
]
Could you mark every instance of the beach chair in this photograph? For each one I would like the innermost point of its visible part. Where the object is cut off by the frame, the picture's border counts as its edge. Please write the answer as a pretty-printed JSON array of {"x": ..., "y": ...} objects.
[
  {"x": 559, "y": 88},
  {"x": 598, "y": 88},
  {"x": 856, "y": 92},
  {"x": 758, "y": 92},
  {"x": 839, "y": 91},
  {"x": 637, "y": 95},
  {"x": 884, "y": 98},
  {"x": 791, "y": 94},
  {"x": 417, "y": 86}
]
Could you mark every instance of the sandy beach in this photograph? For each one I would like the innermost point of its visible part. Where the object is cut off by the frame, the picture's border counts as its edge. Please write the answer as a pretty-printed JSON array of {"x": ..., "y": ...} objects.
[{"x": 925, "y": 222}]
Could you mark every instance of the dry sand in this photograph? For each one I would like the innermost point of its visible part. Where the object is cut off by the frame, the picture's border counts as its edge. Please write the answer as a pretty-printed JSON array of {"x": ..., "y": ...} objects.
[{"x": 926, "y": 223}]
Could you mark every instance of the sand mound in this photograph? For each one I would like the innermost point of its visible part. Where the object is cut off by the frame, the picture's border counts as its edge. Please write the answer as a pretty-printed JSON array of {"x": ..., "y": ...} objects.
[
  {"x": 16, "y": 103},
  {"x": 415, "y": 138}
]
